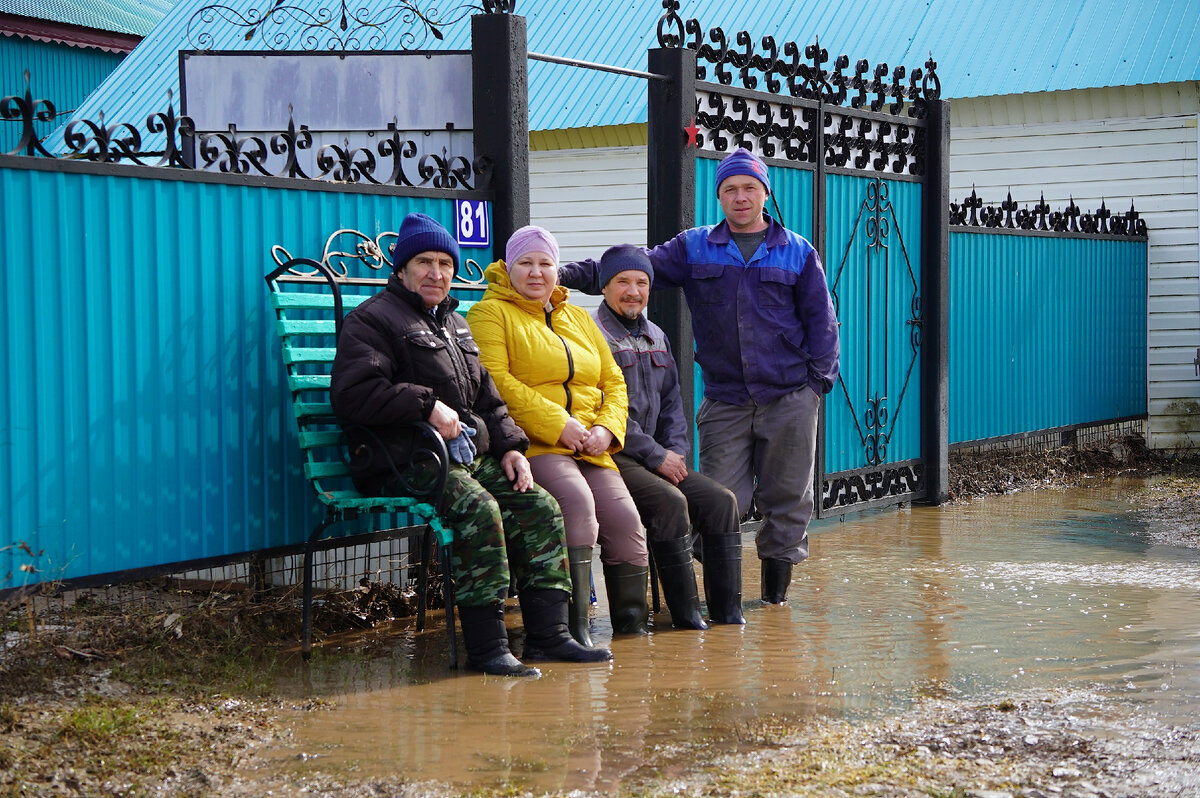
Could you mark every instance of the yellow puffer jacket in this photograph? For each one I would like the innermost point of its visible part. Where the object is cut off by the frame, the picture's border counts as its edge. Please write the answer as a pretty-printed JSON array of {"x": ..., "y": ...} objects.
[{"x": 544, "y": 364}]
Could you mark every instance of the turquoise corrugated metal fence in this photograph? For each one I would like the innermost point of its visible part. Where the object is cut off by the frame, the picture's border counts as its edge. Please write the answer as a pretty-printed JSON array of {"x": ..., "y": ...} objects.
[
  {"x": 1045, "y": 332},
  {"x": 63, "y": 74},
  {"x": 873, "y": 264},
  {"x": 145, "y": 419}
]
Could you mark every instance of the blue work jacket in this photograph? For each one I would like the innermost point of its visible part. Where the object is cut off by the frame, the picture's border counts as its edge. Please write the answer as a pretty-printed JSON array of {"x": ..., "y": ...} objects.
[
  {"x": 763, "y": 329},
  {"x": 656, "y": 423}
]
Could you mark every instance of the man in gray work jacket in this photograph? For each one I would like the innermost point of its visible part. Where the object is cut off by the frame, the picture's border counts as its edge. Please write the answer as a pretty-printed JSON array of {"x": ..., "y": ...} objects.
[
  {"x": 767, "y": 344},
  {"x": 654, "y": 461}
]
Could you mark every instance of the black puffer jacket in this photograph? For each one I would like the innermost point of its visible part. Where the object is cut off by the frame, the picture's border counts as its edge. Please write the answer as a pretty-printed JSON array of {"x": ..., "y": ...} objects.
[{"x": 394, "y": 360}]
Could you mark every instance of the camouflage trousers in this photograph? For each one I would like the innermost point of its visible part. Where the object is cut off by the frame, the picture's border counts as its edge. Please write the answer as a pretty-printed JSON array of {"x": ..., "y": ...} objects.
[{"x": 502, "y": 536}]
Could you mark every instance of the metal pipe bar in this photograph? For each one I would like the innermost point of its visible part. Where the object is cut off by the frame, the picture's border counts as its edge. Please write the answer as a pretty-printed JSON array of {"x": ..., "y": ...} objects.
[{"x": 633, "y": 73}]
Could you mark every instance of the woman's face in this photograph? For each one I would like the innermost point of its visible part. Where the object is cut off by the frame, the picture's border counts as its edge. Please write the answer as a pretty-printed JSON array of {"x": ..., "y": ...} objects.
[{"x": 534, "y": 275}]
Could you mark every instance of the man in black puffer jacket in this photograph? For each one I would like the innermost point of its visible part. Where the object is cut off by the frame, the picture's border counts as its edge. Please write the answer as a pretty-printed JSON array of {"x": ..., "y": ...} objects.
[{"x": 405, "y": 356}]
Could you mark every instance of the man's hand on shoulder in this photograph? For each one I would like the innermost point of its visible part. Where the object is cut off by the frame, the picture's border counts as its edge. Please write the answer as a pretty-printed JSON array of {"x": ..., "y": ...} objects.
[{"x": 673, "y": 469}]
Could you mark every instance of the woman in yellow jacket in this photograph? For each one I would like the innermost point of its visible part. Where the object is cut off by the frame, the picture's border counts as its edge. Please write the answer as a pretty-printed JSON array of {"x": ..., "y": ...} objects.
[{"x": 558, "y": 377}]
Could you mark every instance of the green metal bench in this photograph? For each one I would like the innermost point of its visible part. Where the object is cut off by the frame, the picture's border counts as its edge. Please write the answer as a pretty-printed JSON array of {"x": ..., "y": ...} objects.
[{"x": 310, "y": 299}]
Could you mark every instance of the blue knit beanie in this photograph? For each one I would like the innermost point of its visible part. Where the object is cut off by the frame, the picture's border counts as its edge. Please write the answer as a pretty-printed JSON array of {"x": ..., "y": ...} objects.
[
  {"x": 743, "y": 162},
  {"x": 420, "y": 233},
  {"x": 623, "y": 258}
]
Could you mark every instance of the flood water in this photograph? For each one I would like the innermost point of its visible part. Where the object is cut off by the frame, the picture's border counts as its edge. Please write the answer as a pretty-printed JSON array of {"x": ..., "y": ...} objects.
[{"x": 1037, "y": 590}]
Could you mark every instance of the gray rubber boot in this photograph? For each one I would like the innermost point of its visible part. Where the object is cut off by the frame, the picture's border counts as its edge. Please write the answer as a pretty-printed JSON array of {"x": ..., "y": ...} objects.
[{"x": 579, "y": 558}]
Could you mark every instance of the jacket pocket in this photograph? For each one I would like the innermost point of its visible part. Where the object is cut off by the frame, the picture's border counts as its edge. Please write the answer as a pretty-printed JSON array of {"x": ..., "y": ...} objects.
[
  {"x": 466, "y": 343},
  {"x": 430, "y": 358},
  {"x": 777, "y": 287},
  {"x": 625, "y": 357},
  {"x": 707, "y": 283},
  {"x": 660, "y": 358}
]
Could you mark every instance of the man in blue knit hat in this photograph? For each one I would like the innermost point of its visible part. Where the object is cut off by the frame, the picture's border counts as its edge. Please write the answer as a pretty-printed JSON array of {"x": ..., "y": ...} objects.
[
  {"x": 767, "y": 344},
  {"x": 405, "y": 356},
  {"x": 672, "y": 499}
]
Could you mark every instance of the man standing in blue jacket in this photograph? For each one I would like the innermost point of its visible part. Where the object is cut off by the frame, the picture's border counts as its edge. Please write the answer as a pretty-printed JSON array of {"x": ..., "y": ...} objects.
[{"x": 767, "y": 343}]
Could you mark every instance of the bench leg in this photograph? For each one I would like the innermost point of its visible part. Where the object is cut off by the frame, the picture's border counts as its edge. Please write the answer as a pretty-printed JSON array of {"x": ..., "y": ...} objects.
[
  {"x": 448, "y": 594},
  {"x": 425, "y": 552},
  {"x": 306, "y": 624},
  {"x": 306, "y": 605}
]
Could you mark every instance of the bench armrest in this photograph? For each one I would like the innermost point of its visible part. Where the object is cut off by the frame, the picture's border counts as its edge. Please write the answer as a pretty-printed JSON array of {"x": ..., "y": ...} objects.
[{"x": 424, "y": 475}]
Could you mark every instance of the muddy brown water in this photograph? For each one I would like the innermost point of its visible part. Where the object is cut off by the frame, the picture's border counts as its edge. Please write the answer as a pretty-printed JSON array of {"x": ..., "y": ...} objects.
[{"x": 977, "y": 601}]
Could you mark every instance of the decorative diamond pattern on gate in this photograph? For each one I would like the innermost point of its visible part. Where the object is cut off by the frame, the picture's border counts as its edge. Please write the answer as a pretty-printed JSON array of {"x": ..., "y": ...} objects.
[{"x": 882, "y": 334}]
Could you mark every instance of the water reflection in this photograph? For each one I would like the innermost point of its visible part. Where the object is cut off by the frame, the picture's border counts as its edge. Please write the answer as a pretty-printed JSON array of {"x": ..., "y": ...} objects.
[{"x": 1032, "y": 590}]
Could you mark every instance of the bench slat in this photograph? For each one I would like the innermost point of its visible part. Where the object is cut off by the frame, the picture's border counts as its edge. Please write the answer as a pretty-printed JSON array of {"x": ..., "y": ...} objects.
[
  {"x": 306, "y": 410},
  {"x": 308, "y": 354},
  {"x": 313, "y": 439},
  {"x": 287, "y": 328},
  {"x": 296, "y": 300},
  {"x": 308, "y": 382},
  {"x": 326, "y": 470}
]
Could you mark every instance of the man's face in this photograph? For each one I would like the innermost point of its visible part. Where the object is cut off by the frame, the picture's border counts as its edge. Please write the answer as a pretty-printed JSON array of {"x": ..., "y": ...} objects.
[
  {"x": 742, "y": 199},
  {"x": 628, "y": 292},
  {"x": 429, "y": 274}
]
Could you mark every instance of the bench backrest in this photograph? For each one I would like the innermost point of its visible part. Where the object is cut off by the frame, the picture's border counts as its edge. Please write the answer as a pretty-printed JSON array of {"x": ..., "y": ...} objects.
[{"x": 310, "y": 298}]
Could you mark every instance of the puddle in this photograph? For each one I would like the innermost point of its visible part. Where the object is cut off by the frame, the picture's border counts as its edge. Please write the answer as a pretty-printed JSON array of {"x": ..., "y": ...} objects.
[{"x": 1043, "y": 590}]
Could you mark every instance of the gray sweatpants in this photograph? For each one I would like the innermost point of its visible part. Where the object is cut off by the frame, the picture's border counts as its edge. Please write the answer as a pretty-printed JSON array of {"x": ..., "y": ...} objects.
[{"x": 766, "y": 454}]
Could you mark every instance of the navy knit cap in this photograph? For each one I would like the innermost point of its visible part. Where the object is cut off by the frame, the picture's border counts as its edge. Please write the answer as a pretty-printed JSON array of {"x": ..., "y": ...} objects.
[
  {"x": 420, "y": 233},
  {"x": 743, "y": 162},
  {"x": 622, "y": 258}
]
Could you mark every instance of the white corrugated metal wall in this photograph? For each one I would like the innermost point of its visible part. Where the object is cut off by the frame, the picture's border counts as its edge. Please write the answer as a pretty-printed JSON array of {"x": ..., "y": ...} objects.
[
  {"x": 1117, "y": 145},
  {"x": 591, "y": 199}
]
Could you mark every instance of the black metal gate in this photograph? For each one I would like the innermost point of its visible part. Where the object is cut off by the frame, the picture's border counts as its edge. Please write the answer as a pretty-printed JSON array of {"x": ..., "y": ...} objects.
[{"x": 859, "y": 167}]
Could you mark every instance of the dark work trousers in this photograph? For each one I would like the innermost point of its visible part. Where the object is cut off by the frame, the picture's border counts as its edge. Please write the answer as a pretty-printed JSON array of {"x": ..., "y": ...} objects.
[
  {"x": 766, "y": 454},
  {"x": 672, "y": 511}
]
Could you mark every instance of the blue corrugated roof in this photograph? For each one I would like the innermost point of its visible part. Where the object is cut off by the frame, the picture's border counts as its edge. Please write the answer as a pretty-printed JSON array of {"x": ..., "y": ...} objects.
[
  {"x": 136, "y": 17},
  {"x": 981, "y": 49}
]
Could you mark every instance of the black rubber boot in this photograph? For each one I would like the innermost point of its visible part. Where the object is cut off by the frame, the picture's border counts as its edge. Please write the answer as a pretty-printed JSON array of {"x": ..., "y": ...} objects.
[
  {"x": 673, "y": 559},
  {"x": 776, "y": 576},
  {"x": 626, "y": 587},
  {"x": 723, "y": 578},
  {"x": 487, "y": 642},
  {"x": 580, "y": 560},
  {"x": 546, "y": 633}
]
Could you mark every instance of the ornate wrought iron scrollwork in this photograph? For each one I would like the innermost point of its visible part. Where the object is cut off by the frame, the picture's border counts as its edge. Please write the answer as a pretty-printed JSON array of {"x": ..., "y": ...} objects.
[
  {"x": 871, "y": 486},
  {"x": 374, "y": 252},
  {"x": 972, "y": 212},
  {"x": 340, "y": 26},
  {"x": 809, "y": 79},
  {"x": 875, "y": 421},
  {"x": 876, "y": 397},
  {"x": 28, "y": 110},
  {"x": 395, "y": 160}
]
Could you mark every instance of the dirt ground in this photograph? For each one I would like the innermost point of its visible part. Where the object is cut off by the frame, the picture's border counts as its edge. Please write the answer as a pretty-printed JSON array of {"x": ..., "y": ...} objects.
[{"x": 177, "y": 700}]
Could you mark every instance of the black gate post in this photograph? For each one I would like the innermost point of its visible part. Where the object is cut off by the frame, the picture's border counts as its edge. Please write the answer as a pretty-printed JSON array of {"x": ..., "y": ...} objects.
[
  {"x": 500, "y": 107},
  {"x": 935, "y": 305},
  {"x": 671, "y": 193}
]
